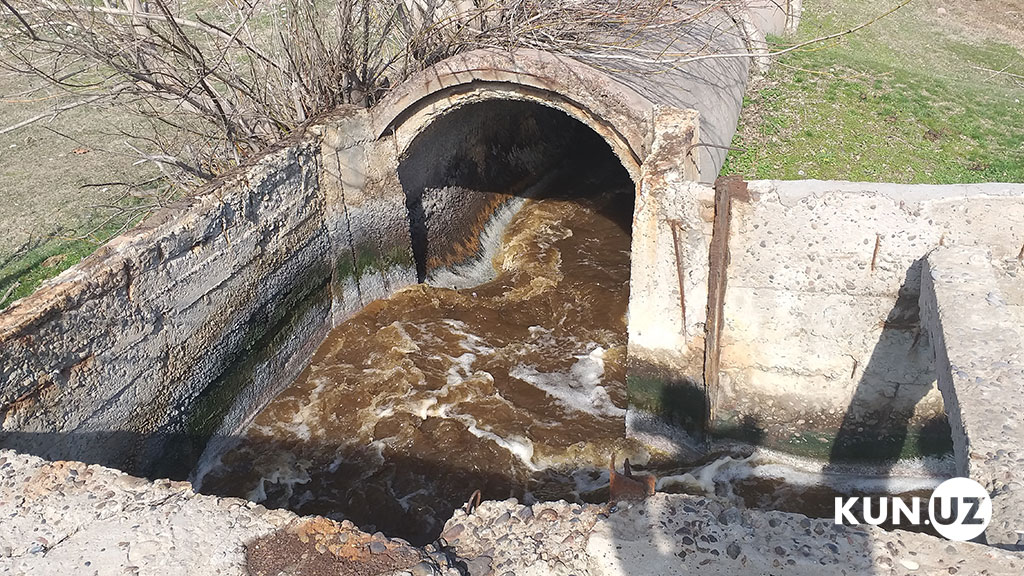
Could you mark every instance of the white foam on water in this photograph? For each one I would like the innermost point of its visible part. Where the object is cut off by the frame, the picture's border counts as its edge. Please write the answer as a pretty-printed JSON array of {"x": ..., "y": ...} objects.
[
  {"x": 578, "y": 390},
  {"x": 705, "y": 477},
  {"x": 424, "y": 408},
  {"x": 656, "y": 434},
  {"x": 590, "y": 480},
  {"x": 904, "y": 476},
  {"x": 481, "y": 268},
  {"x": 404, "y": 501},
  {"x": 461, "y": 368},
  {"x": 521, "y": 448},
  {"x": 288, "y": 473}
]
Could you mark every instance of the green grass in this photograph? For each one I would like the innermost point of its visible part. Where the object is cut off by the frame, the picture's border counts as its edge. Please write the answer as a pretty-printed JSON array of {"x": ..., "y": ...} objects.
[
  {"x": 901, "y": 101},
  {"x": 27, "y": 271}
]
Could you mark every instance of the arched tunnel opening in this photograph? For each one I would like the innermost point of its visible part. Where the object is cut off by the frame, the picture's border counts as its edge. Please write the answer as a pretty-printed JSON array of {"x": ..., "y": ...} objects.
[{"x": 469, "y": 170}]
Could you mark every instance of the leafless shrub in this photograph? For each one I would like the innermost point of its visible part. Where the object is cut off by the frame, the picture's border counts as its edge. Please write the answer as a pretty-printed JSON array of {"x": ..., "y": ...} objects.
[{"x": 222, "y": 83}]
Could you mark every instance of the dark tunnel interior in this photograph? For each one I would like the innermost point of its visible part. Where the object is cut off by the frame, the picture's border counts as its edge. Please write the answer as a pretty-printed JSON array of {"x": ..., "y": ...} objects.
[{"x": 482, "y": 157}]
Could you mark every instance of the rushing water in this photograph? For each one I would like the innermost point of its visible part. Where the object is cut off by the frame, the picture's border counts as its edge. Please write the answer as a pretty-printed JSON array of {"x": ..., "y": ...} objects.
[{"x": 515, "y": 387}]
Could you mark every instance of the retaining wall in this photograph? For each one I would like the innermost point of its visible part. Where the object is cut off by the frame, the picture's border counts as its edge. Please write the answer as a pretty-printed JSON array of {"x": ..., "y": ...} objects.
[
  {"x": 821, "y": 346},
  {"x": 139, "y": 351}
]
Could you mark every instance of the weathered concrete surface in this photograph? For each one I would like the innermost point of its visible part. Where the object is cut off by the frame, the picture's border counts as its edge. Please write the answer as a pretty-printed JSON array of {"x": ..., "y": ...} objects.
[
  {"x": 613, "y": 110},
  {"x": 141, "y": 349},
  {"x": 70, "y": 518},
  {"x": 972, "y": 306},
  {"x": 822, "y": 350},
  {"x": 613, "y": 92},
  {"x": 668, "y": 273},
  {"x": 365, "y": 214},
  {"x": 712, "y": 87},
  {"x": 774, "y": 17},
  {"x": 679, "y": 534}
]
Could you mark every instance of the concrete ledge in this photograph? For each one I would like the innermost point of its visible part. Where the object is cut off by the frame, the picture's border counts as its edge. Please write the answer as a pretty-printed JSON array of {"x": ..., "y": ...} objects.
[
  {"x": 678, "y": 534},
  {"x": 971, "y": 307},
  {"x": 70, "y": 518}
]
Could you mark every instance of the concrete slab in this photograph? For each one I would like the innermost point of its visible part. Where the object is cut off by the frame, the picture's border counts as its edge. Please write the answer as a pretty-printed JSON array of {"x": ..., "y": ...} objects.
[
  {"x": 72, "y": 518},
  {"x": 671, "y": 534},
  {"x": 978, "y": 337}
]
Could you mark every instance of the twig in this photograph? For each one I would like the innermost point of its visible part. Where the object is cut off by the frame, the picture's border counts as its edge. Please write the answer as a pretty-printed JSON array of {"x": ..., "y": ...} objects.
[
  {"x": 54, "y": 112},
  {"x": 995, "y": 73},
  {"x": 10, "y": 290},
  {"x": 874, "y": 254},
  {"x": 700, "y": 57}
]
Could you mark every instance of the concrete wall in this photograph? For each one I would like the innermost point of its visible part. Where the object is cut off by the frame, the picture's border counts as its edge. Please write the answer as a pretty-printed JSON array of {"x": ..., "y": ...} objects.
[
  {"x": 668, "y": 288},
  {"x": 821, "y": 346},
  {"x": 365, "y": 214},
  {"x": 181, "y": 329},
  {"x": 141, "y": 349},
  {"x": 972, "y": 306}
]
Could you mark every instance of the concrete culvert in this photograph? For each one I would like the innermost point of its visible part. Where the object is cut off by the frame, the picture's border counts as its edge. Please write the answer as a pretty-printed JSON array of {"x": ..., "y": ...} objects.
[
  {"x": 467, "y": 173},
  {"x": 308, "y": 297}
]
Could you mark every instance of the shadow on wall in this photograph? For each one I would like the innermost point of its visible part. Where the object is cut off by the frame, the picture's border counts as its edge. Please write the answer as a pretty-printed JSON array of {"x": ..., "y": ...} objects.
[
  {"x": 479, "y": 159},
  {"x": 880, "y": 425}
]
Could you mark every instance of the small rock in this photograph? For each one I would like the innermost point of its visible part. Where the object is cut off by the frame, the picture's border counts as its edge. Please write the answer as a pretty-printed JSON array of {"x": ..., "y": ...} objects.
[
  {"x": 733, "y": 550},
  {"x": 548, "y": 514},
  {"x": 452, "y": 534},
  {"x": 479, "y": 566},
  {"x": 730, "y": 516},
  {"x": 378, "y": 548},
  {"x": 910, "y": 564},
  {"x": 941, "y": 11},
  {"x": 423, "y": 569}
]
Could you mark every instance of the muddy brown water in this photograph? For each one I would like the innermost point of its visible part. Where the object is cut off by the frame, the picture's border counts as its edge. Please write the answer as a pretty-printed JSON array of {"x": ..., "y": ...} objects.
[{"x": 515, "y": 387}]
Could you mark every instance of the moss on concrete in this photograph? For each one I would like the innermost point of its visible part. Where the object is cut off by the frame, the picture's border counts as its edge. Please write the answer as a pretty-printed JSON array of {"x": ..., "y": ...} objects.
[
  {"x": 261, "y": 343},
  {"x": 677, "y": 402},
  {"x": 928, "y": 439},
  {"x": 371, "y": 260}
]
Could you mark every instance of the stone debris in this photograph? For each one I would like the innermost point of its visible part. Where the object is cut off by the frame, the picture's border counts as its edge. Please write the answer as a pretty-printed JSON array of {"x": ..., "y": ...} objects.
[
  {"x": 73, "y": 518},
  {"x": 670, "y": 534}
]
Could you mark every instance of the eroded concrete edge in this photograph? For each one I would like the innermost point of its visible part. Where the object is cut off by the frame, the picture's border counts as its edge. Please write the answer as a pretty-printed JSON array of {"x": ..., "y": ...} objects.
[{"x": 978, "y": 336}]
